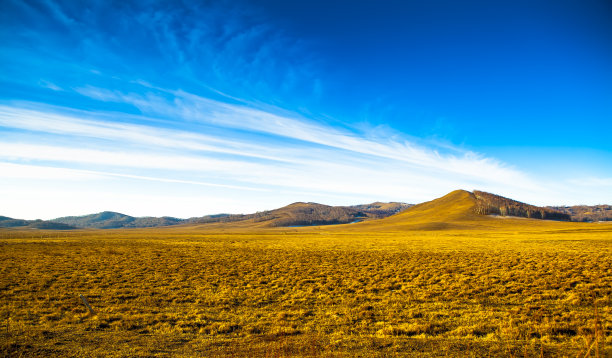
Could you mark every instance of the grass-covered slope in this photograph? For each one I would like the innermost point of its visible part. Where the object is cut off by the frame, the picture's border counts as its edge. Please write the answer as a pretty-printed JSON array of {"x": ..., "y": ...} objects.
[
  {"x": 452, "y": 211},
  {"x": 462, "y": 209},
  {"x": 437, "y": 279}
]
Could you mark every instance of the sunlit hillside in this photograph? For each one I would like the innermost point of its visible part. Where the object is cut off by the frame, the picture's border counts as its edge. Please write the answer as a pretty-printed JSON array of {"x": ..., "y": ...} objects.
[
  {"x": 459, "y": 209},
  {"x": 434, "y": 280}
]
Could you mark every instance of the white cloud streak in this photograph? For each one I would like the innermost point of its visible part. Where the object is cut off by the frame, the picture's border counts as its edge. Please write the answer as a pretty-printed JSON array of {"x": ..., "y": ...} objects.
[
  {"x": 273, "y": 156},
  {"x": 49, "y": 122},
  {"x": 122, "y": 159},
  {"x": 20, "y": 171},
  {"x": 195, "y": 108}
]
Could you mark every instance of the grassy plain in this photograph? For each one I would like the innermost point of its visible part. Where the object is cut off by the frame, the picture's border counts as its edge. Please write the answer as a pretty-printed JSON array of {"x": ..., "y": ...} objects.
[{"x": 503, "y": 288}]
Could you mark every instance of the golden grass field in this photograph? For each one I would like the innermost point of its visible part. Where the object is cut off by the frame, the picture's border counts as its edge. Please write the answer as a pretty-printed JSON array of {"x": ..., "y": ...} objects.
[{"x": 423, "y": 283}]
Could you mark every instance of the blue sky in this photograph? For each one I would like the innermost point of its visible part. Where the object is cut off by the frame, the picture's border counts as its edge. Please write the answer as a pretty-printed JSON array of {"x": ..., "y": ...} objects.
[{"x": 187, "y": 108}]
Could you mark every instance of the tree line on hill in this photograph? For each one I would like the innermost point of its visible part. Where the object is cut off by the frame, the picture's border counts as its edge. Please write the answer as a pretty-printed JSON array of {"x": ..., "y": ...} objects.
[
  {"x": 587, "y": 213},
  {"x": 491, "y": 204}
]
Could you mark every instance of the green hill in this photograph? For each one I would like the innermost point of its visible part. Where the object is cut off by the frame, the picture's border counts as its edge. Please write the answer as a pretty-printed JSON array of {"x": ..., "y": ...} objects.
[{"x": 113, "y": 220}]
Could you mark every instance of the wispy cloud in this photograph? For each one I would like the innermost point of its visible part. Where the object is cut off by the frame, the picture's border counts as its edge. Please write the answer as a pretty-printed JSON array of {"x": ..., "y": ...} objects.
[
  {"x": 49, "y": 85},
  {"x": 252, "y": 150},
  {"x": 189, "y": 107},
  {"x": 48, "y": 121},
  {"x": 22, "y": 171},
  {"x": 122, "y": 158}
]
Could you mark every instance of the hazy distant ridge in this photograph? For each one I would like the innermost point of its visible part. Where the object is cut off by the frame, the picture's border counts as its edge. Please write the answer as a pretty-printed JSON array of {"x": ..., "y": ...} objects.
[
  {"x": 587, "y": 213},
  {"x": 113, "y": 220},
  {"x": 308, "y": 214},
  {"x": 296, "y": 214},
  {"x": 34, "y": 224}
]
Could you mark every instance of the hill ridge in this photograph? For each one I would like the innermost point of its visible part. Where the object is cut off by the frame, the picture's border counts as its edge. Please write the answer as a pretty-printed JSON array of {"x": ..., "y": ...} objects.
[
  {"x": 309, "y": 214},
  {"x": 294, "y": 214},
  {"x": 462, "y": 209},
  {"x": 459, "y": 208},
  {"x": 115, "y": 220}
]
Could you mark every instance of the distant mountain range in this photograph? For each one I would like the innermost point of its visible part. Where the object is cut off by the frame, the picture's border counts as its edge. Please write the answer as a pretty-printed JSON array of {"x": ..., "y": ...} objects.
[
  {"x": 34, "y": 224},
  {"x": 586, "y": 213},
  {"x": 296, "y": 214},
  {"x": 113, "y": 220},
  {"x": 309, "y": 214}
]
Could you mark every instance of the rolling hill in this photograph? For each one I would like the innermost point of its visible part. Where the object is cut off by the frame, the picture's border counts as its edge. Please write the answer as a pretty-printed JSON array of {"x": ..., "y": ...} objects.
[
  {"x": 586, "y": 213},
  {"x": 296, "y": 214},
  {"x": 308, "y": 214},
  {"x": 33, "y": 224},
  {"x": 113, "y": 220},
  {"x": 462, "y": 209},
  {"x": 456, "y": 210}
]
